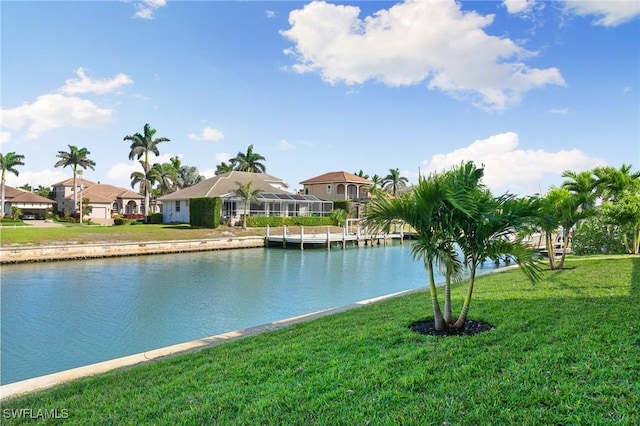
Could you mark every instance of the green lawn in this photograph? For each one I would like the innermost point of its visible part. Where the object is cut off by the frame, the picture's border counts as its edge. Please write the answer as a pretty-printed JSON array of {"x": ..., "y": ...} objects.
[{"x": 563, "y": 352}]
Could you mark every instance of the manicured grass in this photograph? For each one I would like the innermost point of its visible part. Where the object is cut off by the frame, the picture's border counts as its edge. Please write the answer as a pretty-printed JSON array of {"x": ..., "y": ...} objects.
[
  {"x": 563, "y": 352},
  {"x": 85, "y": 234}
]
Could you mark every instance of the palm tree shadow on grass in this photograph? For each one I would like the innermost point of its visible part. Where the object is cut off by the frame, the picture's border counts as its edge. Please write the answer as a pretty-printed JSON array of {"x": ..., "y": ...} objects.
[{"x": 471, "y": 328}]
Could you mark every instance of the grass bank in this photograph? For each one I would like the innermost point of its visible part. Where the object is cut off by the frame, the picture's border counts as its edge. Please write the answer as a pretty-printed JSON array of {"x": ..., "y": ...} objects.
[
  {"x": 85, "y": 234},
  {"x": 565, "y": 351}
]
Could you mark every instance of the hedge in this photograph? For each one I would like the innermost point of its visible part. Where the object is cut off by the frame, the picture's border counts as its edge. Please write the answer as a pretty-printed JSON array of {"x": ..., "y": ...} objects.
[
  {"x": 263, "y": 221},
  {"x": 205, "y": 212}
]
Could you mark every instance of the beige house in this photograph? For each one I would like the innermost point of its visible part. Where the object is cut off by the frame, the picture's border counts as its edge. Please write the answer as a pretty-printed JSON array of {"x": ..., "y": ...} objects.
[
  {"x": 29, "y": 203},
  {"x": 273, "y": 200},
  {"x": 337, "y": 186},
  {"x": 105, "y": 200}
]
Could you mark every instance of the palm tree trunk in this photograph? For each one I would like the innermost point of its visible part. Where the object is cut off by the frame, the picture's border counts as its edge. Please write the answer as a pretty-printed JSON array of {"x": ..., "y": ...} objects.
[
  {"x": 2, "y": 198},
  {"x": 437, "y": 313},
  {"x": 459, "y": 324},
  {"x": 448, "y": 315},
  {"x": 75, "y": 191},
  {"x": 551, "y": 251},
  {"x": 565, "y": 245}
]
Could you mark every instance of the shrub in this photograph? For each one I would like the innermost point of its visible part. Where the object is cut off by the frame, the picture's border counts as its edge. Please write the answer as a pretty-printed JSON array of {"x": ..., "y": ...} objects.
[
  {"x": 121, "y": 221},
  {"x": 593, "y": 236},
  {"x": 154, "y": 218}
]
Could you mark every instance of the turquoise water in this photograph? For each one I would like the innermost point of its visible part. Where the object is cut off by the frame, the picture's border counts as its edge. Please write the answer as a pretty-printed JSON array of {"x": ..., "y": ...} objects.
[{"x": 57, "y": 316}]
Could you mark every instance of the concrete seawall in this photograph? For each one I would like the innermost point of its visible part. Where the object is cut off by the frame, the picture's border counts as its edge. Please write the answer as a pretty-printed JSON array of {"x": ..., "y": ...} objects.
[{"x": 88, "y": 251}]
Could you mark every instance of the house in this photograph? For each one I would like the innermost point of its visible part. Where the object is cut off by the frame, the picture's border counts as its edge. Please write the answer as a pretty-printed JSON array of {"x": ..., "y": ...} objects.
[
  {"x": 273, "y": 200},
  {"x": 337, "y": 186},
  {"x": 105, "y": 200},
  {"x": 28, "y": 202}
]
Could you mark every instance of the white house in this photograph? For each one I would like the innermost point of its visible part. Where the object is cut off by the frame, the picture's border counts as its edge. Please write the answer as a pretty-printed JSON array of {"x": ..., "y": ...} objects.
[{"x": 273, "y": 200}]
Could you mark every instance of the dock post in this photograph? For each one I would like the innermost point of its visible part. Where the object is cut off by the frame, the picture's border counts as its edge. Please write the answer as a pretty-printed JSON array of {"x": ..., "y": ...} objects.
[
  {"x": 344, "y": 237},
  {"x": 328, "y": 238},
  {"x": 402, "y": 234},
  {"x": 358, "y": 236},
  {"x": 284, "y": 236},
  {"x": 266, "y": 237},
  {"x": 302, "y": 237}
]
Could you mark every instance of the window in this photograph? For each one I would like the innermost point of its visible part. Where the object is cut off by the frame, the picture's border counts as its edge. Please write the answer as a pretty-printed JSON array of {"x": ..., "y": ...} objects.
[
  {"x": 177, "y": 205},
  {"x": 329, "y": 189}
]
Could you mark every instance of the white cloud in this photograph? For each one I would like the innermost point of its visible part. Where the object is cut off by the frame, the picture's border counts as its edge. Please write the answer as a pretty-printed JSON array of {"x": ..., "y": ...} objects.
[
  {"x": 52, "y": 111},
  {"x": 208, "y": 173},
  {"x": 608, "y": 13},
  {"x": 519, "y": 6},
  {"x": 411, "y": 43},
  {"x": 5, "y": 137},
  {"x": 561, "y": 111},
  {"x": 283, "y": 145},
  {"x": 146, "y": 8},
  {"x": 270, "y": 13},
  {"x": 84, "y": 84},
  {"x": 507, "y": 168},
  {"x": 120, "y": 174},
  {"x": 208, "y": 134},
  {"x": 222, "y": 157},
  {"x": 45, "y": 177}
]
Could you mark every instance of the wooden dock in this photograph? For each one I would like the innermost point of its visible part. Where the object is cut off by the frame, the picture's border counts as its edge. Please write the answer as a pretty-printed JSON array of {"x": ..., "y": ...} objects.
[{"x": 357, "y": 239}]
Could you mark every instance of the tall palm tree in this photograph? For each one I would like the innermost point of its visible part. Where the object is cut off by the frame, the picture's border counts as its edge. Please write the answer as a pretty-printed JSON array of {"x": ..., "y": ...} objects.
[
  {"x": 8, "y": 163},
  {"x": 249, "y": 161},
  {"x": 248, "y": 194},
  {"x": 141, "y": 146},
  {"x": 393, "y": 181},
  {"x": 146, "y": 180},
  {"x": 74, "y": 158},
  {"x": 176, "y": 163},
  {"x": 362, "y": 174}
]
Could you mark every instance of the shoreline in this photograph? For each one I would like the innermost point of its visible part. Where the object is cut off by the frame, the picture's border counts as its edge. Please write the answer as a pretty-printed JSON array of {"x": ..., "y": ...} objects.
[{"x": 9, "y": 255}]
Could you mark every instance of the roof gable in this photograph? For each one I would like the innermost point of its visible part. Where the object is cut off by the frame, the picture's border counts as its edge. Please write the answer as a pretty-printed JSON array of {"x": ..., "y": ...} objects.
[
  {"x": 227, "y": 183},
  {"x": 104, "y": 193},
  {"x": 18, "y": 195}
]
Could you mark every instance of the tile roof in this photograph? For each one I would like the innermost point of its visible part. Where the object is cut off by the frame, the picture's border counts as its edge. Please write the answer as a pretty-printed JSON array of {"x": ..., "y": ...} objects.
[
  {"x": 104, "y": 193},
  {"x": 226, "y": 183},
  {"x": 69, "y": 182},
  {"x": 333, "y": 177},
  {"x": 18, "y": 195}
]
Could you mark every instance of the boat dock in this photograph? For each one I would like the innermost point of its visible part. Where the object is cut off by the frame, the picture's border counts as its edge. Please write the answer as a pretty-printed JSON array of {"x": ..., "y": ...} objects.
[{"x": 327, "y": 239}]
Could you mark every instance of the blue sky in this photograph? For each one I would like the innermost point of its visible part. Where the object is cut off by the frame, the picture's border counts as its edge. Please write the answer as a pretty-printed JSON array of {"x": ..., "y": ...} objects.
[{"x": 527, "y": 88}]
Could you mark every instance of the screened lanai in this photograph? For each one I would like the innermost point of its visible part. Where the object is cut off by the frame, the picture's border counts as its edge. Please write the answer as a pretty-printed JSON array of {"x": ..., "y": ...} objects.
[{"x": 272, "y": 204}]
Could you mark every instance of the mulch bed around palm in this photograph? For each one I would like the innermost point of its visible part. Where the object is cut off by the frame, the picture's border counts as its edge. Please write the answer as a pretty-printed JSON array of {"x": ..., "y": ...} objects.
[{"x": 471, "y": 328}]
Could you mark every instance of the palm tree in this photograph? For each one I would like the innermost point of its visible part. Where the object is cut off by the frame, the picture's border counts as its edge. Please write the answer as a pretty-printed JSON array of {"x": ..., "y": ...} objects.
[
  {"x": 613, "y": 184},
  {"x": 225, "y": 167},
  {"x": 583, "y": 185},
  {"x": 76, "y": 157},
  {"x": 146, "y": 180},
  {"x": 393, "y": 181},
  {"x": 166, "y": 176},
  {"x": 8, "y": 163},
  {"x": 248, "y": 194},
  {"x": 249, "y": 161},
  {"x": 490, "y": 233},
  {"x": 426, "y": 210},
  {"x": 141, "y": 146},
  {"x": 362, "y": 175}
]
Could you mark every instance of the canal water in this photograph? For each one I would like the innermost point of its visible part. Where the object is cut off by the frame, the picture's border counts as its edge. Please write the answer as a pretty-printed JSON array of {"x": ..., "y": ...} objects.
[{"x": 62, "y": 315}]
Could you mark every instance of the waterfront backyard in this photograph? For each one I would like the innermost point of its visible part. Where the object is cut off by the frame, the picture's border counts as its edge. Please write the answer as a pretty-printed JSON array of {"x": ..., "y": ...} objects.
[{"x": 563, "y": 351}]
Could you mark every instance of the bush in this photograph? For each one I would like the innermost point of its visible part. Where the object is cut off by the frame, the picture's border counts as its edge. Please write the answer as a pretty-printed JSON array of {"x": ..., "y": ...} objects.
[
  {"x": 154, "y": 218},
  {"x": 122, "y": 221},
  {"x": 339, "y": 217},
  {"x": 593, "y": 236}
]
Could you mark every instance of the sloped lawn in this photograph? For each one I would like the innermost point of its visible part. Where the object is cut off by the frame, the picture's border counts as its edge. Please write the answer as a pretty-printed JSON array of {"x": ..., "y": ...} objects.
[{"x": 563, "y": 352}]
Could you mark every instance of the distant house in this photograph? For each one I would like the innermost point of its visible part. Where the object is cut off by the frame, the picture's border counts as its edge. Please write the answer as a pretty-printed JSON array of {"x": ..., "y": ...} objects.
[
  {"x": 273, "y": 200},
  {"x": 28, "y": 202},
  {"x": 337, "y": 186},
  {"x": 105, "y": 200}
]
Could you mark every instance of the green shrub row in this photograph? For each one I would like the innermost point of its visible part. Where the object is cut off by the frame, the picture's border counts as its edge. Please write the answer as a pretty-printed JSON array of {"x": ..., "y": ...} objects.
[
  {"x": 263, "y": 221},
  {"x": 154, "y": 218},
  {"x": 123, "y": 221}
]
